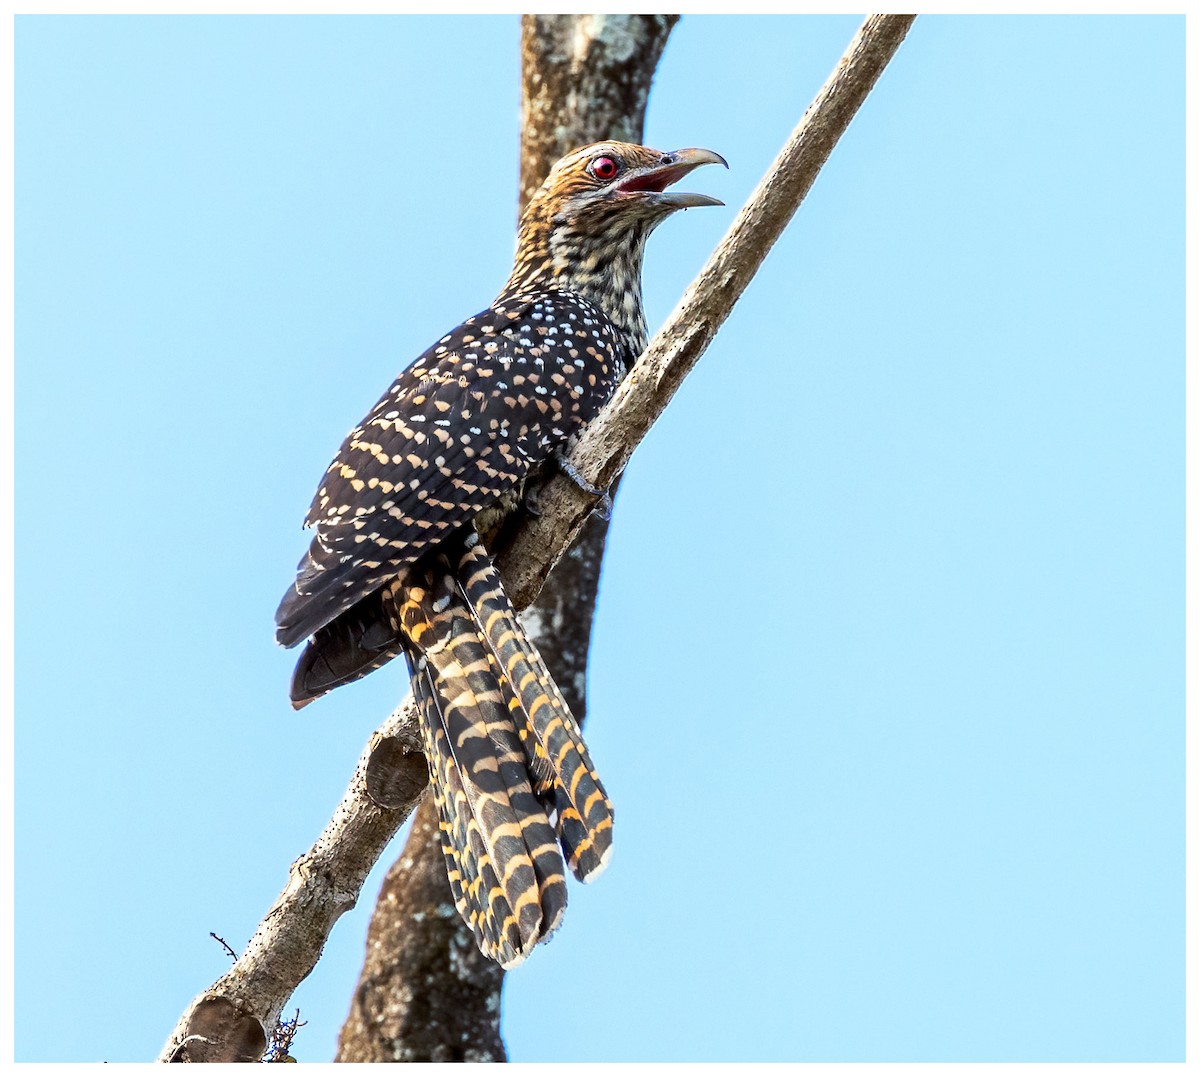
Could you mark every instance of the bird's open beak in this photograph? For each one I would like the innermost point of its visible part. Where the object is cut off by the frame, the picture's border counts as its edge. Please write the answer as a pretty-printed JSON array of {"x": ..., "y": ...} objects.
[{"x": 655, "y": 180}]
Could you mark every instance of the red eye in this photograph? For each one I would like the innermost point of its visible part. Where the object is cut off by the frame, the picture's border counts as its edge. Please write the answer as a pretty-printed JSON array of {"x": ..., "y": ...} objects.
[{"x": 604, "y": 168}]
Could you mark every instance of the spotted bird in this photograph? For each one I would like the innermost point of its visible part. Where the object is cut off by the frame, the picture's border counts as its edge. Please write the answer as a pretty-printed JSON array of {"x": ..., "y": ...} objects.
[{"x": 398, "y": 566}]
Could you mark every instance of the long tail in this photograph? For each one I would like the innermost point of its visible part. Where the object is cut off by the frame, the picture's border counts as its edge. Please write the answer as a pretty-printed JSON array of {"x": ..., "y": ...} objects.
[
  {"x": 505, "y": 756},
  {"x": 548, "y": 731}
]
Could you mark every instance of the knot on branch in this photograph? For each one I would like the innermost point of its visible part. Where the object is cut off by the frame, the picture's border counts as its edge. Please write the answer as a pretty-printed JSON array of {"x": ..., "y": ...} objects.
[{"x": 219, "y": 1030}]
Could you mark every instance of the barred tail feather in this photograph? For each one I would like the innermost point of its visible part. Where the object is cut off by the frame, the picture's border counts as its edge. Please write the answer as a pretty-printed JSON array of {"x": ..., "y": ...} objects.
[
  {"x": 505, "y": 755},
  {"x": 511, "y": 888},
  {"x": 547, "y": 729},
  {"x": 466, "y": 859}
]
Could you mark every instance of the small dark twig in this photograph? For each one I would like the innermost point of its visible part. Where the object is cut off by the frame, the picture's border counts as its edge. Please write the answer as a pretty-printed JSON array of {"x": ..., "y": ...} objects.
[
  {"x": 280, "y": 1047},
  {"x": 228, "y": 949}
]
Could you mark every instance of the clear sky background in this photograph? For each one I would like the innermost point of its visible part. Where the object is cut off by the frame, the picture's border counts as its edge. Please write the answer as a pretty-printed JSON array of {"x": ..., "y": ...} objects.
[{"x": 888, "y": 677}]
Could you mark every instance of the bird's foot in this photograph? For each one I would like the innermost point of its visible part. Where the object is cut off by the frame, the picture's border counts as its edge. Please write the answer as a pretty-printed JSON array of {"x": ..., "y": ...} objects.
[
  {"x": 604, "y": 506},
  {"x": 532, "y": 498}
]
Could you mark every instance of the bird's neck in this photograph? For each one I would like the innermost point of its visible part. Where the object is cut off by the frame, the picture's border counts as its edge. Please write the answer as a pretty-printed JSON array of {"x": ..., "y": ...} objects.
[{"x": 604, "y": 269}]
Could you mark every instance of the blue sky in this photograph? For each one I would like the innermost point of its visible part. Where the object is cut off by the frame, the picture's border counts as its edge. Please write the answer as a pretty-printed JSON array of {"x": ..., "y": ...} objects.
[{"x": 888, "y": 675}]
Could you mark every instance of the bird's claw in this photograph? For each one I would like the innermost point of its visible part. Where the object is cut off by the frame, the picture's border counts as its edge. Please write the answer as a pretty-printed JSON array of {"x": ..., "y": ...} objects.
[{"x": 603, "y": 508}]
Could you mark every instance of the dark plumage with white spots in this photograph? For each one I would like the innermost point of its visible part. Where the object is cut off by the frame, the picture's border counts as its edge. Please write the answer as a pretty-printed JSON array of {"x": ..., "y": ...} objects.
[{"x": 397, "y": 565}]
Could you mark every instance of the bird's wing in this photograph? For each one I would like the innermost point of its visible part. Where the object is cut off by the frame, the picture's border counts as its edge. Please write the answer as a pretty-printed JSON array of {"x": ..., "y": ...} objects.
[{"x": 457, "y": 430}]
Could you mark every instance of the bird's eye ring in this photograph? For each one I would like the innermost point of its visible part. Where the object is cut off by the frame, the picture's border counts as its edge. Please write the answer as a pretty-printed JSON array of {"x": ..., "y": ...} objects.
[{"x": 604, "y": 168}]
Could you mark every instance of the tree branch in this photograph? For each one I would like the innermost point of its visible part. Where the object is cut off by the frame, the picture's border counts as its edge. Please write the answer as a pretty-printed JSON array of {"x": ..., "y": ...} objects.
[
  {"x": 231, "y": 1020},
  {"x": 609, "y": 440}
]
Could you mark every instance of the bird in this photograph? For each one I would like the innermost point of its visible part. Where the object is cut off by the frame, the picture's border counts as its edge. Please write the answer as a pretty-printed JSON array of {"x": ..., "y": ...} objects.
[{"x": 399, "y": 563}]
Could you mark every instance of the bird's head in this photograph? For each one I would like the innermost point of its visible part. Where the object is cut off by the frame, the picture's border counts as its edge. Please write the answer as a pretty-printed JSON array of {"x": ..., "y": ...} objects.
[
  {"x": 618, "y": 183},
  {"x": 586, "y": 226}
]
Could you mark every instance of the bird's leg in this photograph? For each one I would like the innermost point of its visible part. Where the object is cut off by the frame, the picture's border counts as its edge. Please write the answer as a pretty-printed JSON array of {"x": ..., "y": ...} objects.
[
  {"x": 604, "y": 506},
  {"x": 533, "y": 490}
]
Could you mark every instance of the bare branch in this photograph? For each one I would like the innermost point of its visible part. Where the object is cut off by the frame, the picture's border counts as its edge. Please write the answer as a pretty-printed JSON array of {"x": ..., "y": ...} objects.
[
  {"x": 609, "y": 440},
  {"x": 229, "y": 1021}
]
